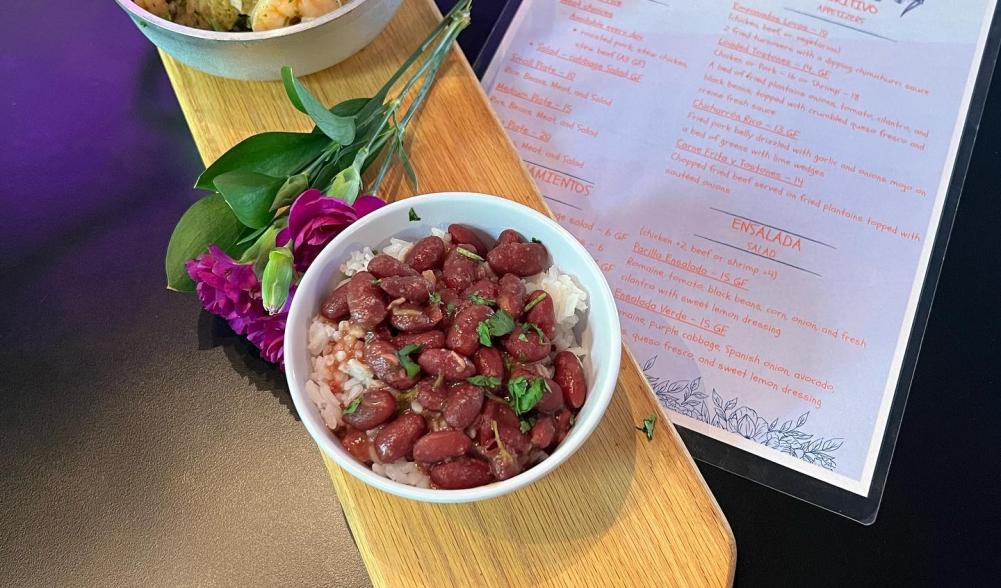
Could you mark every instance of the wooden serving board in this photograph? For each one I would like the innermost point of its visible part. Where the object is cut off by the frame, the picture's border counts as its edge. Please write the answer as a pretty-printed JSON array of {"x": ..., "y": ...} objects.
[{"x": 622, "y": 511}]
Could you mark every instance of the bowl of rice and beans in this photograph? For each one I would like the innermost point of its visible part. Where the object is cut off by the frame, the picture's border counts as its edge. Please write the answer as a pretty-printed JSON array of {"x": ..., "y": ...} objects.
[{"x": 452, "y": 347}]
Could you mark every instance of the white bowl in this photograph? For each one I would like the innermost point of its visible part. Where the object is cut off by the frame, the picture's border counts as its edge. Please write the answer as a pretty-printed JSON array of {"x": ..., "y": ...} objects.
[
  {"x": 490, "y": 215},
  {"x": 307, "y": 47}
]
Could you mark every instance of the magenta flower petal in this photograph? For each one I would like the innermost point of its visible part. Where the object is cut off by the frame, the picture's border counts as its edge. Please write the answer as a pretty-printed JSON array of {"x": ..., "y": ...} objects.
[{"x": 314, "y": 220}]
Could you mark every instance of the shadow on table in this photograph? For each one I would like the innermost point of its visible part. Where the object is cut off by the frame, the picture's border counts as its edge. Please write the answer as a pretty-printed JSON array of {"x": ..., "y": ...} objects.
[{"x": 244, "y": 358}]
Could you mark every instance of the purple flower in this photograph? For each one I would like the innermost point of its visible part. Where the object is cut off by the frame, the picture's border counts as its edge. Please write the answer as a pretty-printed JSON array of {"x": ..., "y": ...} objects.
[
  {"x": 227, "y": 288},
  {"x": 267, "y": 333},
  {"x": 315, "y": 219},
  {"x": 231, "y": 290}
]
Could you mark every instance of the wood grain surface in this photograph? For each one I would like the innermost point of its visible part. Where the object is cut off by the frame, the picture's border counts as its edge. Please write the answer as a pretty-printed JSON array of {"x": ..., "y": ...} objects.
[{"x": 622, "y": 511}]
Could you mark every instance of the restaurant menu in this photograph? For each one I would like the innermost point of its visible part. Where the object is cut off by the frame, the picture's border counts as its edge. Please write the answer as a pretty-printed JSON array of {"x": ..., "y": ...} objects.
[{"x": 761, "y": 182}]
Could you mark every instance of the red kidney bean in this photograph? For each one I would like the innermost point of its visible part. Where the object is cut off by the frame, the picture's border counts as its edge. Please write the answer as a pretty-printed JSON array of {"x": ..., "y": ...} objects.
[
  {"x": 543, "y": 314},
  {"x": 385, "y": 266},
  {"x": 552, "y": 398},
  {"x": 563, "y": 425},
  {"x": 543, "y": 432},
  {"x": 446, "y": 362},
  {"x": 503, "y": 464},
  {"x": 426, "y": 254},
  {"x": 397, "y": 439},
  {"x": 358, "y": 445},
  {"x": 569, "y": 375},
  {"x": 465, "y": 472},
  {"x": 335, "y": 307},
  {"x": 427, "y": 339},
  {"x": 531, "y": 349},
  {"x": 463, "y": 406},
  {"x": 489, "y": 362},
  {"x": 494, "y": 412},
  {"x": 413, "y": 288},
  {"x": 484, "y": 288},
  {"x": 459, "y": 271},
  {"x": 511, "y": 295},
  {"x": 509, "y": 236},
  {"x": 365, "y": 301},
  {"x": 513, "y": 439},
  {"x": 520, "y": 259},
  {"x": 463, "y": 234},
  {"x": 462, "y": 336},
  {"x": 431, "y": 394},
  {"x": 441, "y": 445},
  {"x": 414, "y": 318},
  {"x": 381, "y": 356},
  {"x": 377, "y": 407},
  {"x": 382, "y": 332}
]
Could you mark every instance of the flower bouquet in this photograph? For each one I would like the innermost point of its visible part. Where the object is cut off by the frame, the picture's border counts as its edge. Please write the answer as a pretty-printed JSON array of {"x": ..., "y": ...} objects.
[{"x": 278, "y": 198}]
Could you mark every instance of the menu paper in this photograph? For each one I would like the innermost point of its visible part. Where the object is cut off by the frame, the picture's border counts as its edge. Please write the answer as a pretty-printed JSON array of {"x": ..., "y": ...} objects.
[{"x": 762, "y": 183}]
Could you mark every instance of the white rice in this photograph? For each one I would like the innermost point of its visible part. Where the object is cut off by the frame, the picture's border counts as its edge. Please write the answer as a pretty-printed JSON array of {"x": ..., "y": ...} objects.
[
  {"x": 404, "y": 472},
  {"x": 398, "y": 248},
  {"x": 357, "y": 261}
]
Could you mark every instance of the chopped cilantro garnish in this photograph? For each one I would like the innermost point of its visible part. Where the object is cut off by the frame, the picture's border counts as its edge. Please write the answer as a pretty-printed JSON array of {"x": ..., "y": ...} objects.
[
  {"x": 467, "y": 253},
  {"x": 434, "y": 298},
  {"x": 526, "y": 327},
  {"x": 450, "y": 308},
  {"x": 535, "y": 301},
  {"x": 648, "y": 425},
  {"x": 477, "y": 299},
  {"x": 524, "y": 394},
  {"x": 527, "y": 424},
  {"x": 376, "y": 282},
  {"x": 413, "y": 215},
  {"x": 408, "y": 364},
  {"x": 498, "y": 324},
  {"x": 490, "y": 382},
  {"x": 353, "y": 406}
]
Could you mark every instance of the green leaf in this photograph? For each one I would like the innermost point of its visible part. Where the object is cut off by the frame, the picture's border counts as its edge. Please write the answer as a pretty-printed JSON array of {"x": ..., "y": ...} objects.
[
  {"x": 350, "y": 107},
  {"x": 524, "y": 394},
  {"x": 412, "y": 215},
  {"x": 250, "y": 195},
  {"x": 209, "y": 220},
  {"x": 489, "y": 382},
  {"x": 535, "y": 301},
  {"x": 277, "y": 278},
  {"x": 450, "y": 309},
  {"x": 501, "y": 323},
  {"x": 467, "y": 253},
  {"x": 408, "y": 364},
  {"x": 477, "y": 299},
  {"x": 290, "y": 190},
  {"x": 532, "y": 327},
  {"x": 408, "y": 168},
  {"x": 648, "y": 425},
  {"x": 352, "y": 407},
  {"x": 341, "y": 129},
  {"x": 434, "y": 298},
  {"x": 273, "y": 154},
  {"x": 483, "y": 330}
]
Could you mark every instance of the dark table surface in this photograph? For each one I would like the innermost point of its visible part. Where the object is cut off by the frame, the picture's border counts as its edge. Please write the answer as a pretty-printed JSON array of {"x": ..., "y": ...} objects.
[{"x": 142, "y": 443}]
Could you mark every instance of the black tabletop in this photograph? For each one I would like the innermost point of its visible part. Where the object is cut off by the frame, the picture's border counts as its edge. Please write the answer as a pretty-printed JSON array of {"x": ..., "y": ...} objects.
[{"x": 141, "y": 442}]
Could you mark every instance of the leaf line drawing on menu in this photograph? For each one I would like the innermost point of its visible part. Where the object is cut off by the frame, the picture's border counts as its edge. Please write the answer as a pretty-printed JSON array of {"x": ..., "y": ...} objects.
[{"x": 689, "y": 398}]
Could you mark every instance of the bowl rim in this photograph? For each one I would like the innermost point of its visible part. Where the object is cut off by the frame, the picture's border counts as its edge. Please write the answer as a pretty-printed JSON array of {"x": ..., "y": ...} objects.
[
  {"x": 141, "y": 13},
  {"x": 319, "y": 432}
]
